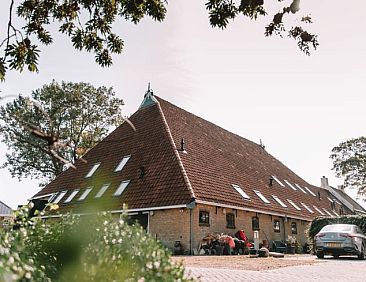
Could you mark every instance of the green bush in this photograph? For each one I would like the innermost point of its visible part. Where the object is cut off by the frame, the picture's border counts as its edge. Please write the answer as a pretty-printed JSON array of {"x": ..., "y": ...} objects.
[
  {"x": 83, "y": 248},
  {"x": 318, "y": 223}
]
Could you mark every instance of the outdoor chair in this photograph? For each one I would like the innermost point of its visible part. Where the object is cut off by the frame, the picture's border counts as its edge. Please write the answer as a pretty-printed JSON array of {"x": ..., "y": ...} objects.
[{"x": 279, "y": 246}]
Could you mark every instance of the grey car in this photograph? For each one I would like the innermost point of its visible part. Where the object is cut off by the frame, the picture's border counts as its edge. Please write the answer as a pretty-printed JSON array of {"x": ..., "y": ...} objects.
[{"x": 340, "y": 239}]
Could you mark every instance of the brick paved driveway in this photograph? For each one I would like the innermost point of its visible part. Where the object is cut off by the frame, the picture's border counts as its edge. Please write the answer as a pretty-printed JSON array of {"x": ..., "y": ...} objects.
[{"x": 330, "y": 269}]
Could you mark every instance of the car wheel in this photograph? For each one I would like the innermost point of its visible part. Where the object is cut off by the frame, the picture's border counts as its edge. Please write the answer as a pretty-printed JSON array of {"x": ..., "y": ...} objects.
[
  {"x": 320, "y": 255},
  {"x": 362, "y": 254}
]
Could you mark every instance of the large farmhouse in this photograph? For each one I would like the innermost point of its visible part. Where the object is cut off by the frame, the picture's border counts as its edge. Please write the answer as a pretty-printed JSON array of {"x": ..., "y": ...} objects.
[{"x": 183, "y": 177}]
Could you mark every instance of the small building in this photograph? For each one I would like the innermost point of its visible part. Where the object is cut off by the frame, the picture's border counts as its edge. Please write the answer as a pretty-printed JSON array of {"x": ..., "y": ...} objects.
[
  {"x": 183, "y": 177},
  {"x": 6, "y": 216}
]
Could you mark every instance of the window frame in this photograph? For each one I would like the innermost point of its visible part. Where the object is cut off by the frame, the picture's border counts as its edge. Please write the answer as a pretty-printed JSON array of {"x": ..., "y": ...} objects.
[
  {"x": 262, "y": 197},
  {"x": 85, "y": 194},
  {"x": 293, "y": 227},
  {"x": 122, "y": 163},
  {"x": 206, "y": 215},
  {"x": 277, "y": 225},
  {"x": 230, "y": 223},
  {"x": 93, "y": 170},
  {"x": 255, "y": 227},
  {"x": 102, "y": 190},
  {"x": 121, "y": 188}
]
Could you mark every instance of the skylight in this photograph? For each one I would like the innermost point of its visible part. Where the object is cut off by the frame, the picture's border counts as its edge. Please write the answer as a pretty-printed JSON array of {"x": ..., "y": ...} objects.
[
  {"x": 306, "y": 207},
  {"x": 121, "y": 188},
  {"x": 122, "y": 163},
  {"x": 279, "y": 201},
  {"x": 311, "y": 192},
  {"x": 319, "y": 211},
  {"x": 52, "y": 197},
  {"x": 59, "y": 197},
  {"x": 328, "y": 212},
  {"x": 259, "y": 194},
  {"x": 302, "y": 190},
  {"x": 289, "y": 184},
  {"x": 92, "y": 170},
  {"x": 71, "y": 196},
  {"x": 102, "y": 190},
  {"x": 294, "y": 205},
  {"x": 278, "y": 181},
  {"x": 335, "y": 213},
  {"x": 85, "y": 194},
  {"x": 240, "y": 191}
]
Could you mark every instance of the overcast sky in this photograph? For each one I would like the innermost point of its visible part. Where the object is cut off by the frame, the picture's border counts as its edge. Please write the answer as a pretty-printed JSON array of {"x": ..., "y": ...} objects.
[{"x": 260, "y": 88}]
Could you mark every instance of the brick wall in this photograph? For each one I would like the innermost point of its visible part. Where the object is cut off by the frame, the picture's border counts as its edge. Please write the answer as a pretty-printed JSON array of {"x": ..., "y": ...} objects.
[{"x": 171, "y": 225}]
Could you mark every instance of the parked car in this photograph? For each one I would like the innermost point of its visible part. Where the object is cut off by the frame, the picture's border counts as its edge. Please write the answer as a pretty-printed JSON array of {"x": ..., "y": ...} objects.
[{"x": 340, "y": 239}]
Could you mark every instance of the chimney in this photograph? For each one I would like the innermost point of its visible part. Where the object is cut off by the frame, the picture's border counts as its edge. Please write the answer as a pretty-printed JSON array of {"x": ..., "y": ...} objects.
[
  {"x": 324, "y": 182},
  {"x": 182, "y": 146}
]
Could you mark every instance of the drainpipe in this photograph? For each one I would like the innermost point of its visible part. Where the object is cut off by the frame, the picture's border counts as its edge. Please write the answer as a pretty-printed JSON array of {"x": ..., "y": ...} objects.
[
  {"x": 191, "y": 206},
  {"x": 284, "y": 220}
]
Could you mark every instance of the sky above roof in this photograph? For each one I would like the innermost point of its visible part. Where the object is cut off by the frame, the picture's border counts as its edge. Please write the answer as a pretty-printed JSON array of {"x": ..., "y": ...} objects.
[{"x": 260, "y": 88}]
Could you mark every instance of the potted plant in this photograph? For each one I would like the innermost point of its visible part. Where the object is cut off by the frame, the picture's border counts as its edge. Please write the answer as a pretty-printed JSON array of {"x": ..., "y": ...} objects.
[{"x": 291, "y": 244}]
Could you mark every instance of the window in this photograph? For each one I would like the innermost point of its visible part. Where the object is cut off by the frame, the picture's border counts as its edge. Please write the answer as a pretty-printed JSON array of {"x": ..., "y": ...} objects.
[
  {"x": 230, "y": 220},
  {"x": 327, "y": 212},
  {"x": 318, "y": 210},
  {"x": 306, "y": 207},
  {"x": 289, "y": 184},
  {"x": 311, "y": 192},
  {"x": 102, "y": 190},
  {"x": 121, "y": 188},
  {"x": 335, "y": 213},
  {"x": 85, "y": 194},
  {"x": 264, "y": 199},
  {"x": 71, "y": 196},
  {"x": 204, "y": 218},
  {"x": 122, "y": 163},
  {"x": 279, "y": 182},
  {"x": 52, "y": 197},
  {"x": 59, "y": 197},
  {"x": 293, "y": 227},
  {"x": 279, "y": 201},
  {"x": 294, "y": 205},
  {"x": 92, "y": 170},
  {"x": 5, "y": 222},
  {"x": 240, "y": 191},
  {"x": 302, "y": 190},
  {"x": 276, "y": 226},
  {"x": 255, "y": 223}
]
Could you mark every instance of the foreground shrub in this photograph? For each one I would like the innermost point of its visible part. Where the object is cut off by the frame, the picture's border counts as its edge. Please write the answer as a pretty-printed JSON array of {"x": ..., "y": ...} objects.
[{"x": 83, "y": 248}]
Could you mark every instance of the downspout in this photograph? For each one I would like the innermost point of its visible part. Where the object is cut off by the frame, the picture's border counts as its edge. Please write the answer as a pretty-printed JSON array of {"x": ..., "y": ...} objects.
[
  {"x": 284, "y": 228},
  {"x": 191, "y": 206}
]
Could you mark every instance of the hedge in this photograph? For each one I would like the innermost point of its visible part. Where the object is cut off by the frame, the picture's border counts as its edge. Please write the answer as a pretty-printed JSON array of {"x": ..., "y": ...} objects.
[{"x": 318, "y": 223}]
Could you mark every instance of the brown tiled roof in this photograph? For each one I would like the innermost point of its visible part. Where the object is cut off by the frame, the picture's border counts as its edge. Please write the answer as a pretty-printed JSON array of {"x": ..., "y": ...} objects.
[
  {"x": 150, "y": 147},
  {"x": 214, "y": 159},
  {"x": 217, "y": 158}
]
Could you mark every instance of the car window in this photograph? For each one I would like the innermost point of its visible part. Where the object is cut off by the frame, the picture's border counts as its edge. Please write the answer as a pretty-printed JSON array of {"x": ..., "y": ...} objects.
[{"x": 336, "y": 228}]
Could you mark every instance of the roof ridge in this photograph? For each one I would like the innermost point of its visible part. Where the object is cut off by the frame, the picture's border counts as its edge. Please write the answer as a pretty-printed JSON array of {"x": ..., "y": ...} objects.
[
  {"x": 234, "y": 135},
  {"x": 180, "y": 163}
]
